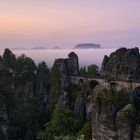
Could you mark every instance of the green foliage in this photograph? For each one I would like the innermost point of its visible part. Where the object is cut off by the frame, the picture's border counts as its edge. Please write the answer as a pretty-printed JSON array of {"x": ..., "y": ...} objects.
[
  {"x": 82, "y": 70},
  {"x": 26, "y": 114},
  {"x": 86, "y": 132},
  {"x": 63, "y": 122},
  {"x": 9, "y": 60},
  {"x": 81, "y": 137},
  {"x": 65, "y": 138},
  {"x": 25, "y": 68},
  {"x": 92, "y": 69},
  {"x": 27, "y": 121},
  {"x": 120, "y": 98},
  {"x": 43, "y": 66}
]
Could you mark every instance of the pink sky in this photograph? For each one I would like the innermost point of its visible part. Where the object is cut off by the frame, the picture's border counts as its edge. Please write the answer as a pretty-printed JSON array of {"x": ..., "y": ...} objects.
[{"x": 64, "y": 23}]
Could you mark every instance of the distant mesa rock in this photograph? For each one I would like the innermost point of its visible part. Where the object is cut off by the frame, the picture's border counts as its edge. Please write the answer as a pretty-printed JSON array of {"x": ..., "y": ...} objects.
[
  {"x": 87, "y": 46},
  {"x": 56, "y": 48},
  {"x": 122, "y": 64}
]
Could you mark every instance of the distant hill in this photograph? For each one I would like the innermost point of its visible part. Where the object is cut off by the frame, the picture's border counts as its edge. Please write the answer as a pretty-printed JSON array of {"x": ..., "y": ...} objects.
[
  {"x": 57, "y": 48},
  {"x": 39, "y": 48},
  {"x": 87, "y": 46},
  {"x": 16, "y": 49}
]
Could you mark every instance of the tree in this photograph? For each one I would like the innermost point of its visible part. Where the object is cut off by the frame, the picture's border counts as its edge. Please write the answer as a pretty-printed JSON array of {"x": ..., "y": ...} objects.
[
  {"x": 63, "y": 122},
  {"x": 9, "y": 60},
  {"x": 25, "y": 68},
  {"x": 82, "y": 70},
  {"x": 85, "y": 132},
  {"x": 92, "y": 70},
  {"x": 42, "y": 68}
]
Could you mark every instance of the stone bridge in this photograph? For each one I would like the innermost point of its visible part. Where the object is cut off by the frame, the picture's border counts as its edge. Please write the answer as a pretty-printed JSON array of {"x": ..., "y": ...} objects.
[{"x": 117, "y": 84}]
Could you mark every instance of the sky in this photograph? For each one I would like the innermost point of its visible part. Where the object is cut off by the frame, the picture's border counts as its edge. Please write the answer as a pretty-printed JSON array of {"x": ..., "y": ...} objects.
[{"x": 65, "y": 23}]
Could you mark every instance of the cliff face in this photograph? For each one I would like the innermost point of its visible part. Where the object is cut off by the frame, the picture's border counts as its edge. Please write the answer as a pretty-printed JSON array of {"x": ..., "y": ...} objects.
[
  {"x": 60, "y": 72},
  {"x": 111, "y": 123},
  {"x": 122, "y": 63},
  {"x": 103, "y": 116},
  {"x": 72, "y": 64}
]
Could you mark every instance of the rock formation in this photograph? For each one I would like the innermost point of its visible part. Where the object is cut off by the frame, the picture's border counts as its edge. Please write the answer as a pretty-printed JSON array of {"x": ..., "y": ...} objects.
[
  {"x": 103, "y": 116},
  {"x": 80, "y": 108},
  {"x": 109, "y": 123},
  {"x": 42, "y": 83},
  {"x": 122, "y": 64},
  {"x": 87, "y": 46},
  {"x": 60, "y": 73},
  {"x": 63, "y": 100},
  {"x": 125, "y": 122},
  {"x": 137, "y": 132},
  {"x": 72, "y": 64}
]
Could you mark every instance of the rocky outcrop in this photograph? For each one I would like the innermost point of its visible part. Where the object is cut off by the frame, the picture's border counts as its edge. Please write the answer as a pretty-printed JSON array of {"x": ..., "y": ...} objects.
[
  {"x": 122, "y": 64},
  {"x": 125, "y": 122},
  {"x": 60, "y": 73},
  {"x": 111, "y": 123},
  {"x": 137, "y": 132},
  {"x": 80, "y": 108},
  {"x": 59, "y": 80},
  {"x": 135, "y": 97},
  {"x": 103, "y": 116},
  {"x": 42, "y": 83},
  {"x": 63, "y": 100},
  {"x": 28, "y": 89},
  {"x": 72, "y": 64}
]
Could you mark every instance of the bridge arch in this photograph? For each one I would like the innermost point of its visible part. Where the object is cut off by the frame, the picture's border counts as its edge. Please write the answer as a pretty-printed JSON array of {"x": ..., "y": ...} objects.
[
  {"x": 93, "y": 84},
  {"x": 81, "y": 81},
  {"x": 114, "y": 85}
]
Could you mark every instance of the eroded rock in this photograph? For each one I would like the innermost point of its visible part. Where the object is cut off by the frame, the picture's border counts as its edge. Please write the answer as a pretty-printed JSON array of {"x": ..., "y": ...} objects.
[
  {"x": 125, "y": 122},
  {"x": 122, "y": 63},
  {"x": 103, "y": 116}
]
